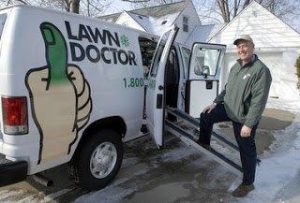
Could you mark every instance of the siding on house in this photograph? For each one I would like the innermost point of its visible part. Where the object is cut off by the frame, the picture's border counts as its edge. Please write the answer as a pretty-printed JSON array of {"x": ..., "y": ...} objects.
[
  {"x": 193, "y": 21},
  {"x": 154, "y": 11},
  {"x": 153, "y": 18},
  {"x": 266, "y": 29},
  {"x": 276, "y": 44},
  {"x": 202, "y": 33},
  {"x": 127, "y": 20}
]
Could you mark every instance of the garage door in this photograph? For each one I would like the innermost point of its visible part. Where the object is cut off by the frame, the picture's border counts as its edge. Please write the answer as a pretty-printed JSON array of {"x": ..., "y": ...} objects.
[{"x": 283, "y": 71}]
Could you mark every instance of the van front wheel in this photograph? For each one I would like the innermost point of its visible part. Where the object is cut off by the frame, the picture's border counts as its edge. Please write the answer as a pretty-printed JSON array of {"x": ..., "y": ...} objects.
[{"x": 99, "y": 160}]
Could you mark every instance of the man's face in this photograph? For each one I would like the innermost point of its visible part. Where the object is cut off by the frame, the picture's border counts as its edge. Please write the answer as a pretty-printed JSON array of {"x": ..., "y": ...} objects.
[{"x": 245, "y": 50}]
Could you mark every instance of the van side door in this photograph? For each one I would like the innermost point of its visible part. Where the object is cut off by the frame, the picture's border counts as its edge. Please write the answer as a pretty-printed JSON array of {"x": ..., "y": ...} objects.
[
  {"x": 155, "y": 96},
  {"x": 203, "y": 77}
]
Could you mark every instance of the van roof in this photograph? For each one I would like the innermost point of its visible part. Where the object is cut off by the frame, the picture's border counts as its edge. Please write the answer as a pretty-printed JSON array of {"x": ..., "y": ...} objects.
[{"x": 29, "y": 7}]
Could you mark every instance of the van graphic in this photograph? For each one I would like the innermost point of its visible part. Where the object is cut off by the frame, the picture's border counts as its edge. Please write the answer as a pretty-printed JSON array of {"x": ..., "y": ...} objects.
[{"x": 59, "y": 95}]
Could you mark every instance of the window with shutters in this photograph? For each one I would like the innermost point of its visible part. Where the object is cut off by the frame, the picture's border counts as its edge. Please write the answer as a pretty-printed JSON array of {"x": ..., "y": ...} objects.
[{"x": 185, "y": 24}]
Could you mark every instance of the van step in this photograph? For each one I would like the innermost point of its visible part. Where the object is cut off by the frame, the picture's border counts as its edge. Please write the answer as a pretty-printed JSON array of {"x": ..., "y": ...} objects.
[
  {"x": 186, "y": 128},
  {"x": 195, "y": 123},
  {"x": 188, "y": 139},
  {"x": 192, "y": 124}
]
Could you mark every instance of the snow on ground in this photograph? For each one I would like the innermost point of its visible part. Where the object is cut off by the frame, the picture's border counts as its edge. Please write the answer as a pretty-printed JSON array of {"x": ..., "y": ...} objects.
[{"x": 277, "y": 179}]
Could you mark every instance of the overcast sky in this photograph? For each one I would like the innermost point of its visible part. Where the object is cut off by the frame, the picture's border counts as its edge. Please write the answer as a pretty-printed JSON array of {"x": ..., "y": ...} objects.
[{"x": 118, "y": 6}]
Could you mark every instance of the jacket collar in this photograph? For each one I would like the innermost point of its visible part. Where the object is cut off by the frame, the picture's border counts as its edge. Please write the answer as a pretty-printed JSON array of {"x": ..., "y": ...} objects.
[{"x": 254, "y": 58}]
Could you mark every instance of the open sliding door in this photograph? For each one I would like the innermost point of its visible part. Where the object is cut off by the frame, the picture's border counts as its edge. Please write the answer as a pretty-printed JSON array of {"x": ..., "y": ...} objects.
[{"x": 155, "y": 100}]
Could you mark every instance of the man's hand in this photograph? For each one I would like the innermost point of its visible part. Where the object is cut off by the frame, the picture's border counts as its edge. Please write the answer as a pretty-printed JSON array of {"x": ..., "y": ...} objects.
[
  {"x": 245, "y": 131},
  {"x": 209, "y": 108}
]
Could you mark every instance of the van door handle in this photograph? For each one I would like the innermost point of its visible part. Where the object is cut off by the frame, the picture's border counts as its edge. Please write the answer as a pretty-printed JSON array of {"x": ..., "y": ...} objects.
[
  {"x": 159, "y": 101},
  {"x": 209, "y": 84},
  {"x": 160, "y": 87}
]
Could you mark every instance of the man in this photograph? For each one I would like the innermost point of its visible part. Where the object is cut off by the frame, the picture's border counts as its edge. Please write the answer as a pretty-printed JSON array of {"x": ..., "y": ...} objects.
[{"x": 242, "y": 101}]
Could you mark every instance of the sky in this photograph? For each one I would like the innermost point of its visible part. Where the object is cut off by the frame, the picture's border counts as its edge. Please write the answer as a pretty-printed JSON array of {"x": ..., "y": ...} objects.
[{"x": 118, "y": 6}]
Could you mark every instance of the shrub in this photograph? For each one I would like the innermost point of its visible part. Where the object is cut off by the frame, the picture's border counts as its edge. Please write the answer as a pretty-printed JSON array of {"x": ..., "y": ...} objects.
[{"x": 298, "y": 71}]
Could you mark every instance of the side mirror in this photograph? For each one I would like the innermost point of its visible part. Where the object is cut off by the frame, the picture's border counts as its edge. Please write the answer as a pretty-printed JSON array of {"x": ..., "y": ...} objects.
[
  {"x": 202, "y": 70},
  {"x": 205, "y": 71},
  {"x": 198, "y": 70}
]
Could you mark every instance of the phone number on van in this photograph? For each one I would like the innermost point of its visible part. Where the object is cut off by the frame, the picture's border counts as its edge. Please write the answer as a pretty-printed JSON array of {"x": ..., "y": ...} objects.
[{"x": 133, "y": 82}]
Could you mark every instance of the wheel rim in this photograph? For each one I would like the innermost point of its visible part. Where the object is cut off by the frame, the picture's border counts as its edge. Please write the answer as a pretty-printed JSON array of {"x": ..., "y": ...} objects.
[{"x": 103, "y": 160}]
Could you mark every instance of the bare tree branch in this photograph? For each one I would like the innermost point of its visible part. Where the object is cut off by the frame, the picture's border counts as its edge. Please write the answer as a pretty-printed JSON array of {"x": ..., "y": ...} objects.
[
  {"x": 136, "y": 1},
  {"x": 74, "y": 6},
  {"x": 246, "y": 3},
  {"x": 23, "y": 2}
]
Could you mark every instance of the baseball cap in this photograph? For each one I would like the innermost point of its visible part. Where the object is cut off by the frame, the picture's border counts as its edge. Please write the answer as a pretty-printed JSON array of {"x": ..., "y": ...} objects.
[{"x": 243, "y": 37}]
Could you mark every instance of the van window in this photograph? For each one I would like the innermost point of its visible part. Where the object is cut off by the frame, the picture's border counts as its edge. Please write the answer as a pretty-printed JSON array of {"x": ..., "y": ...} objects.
[
  {"x": 147, "y": 47},
  {"x": 206, "y": 60},
  {"x": 186, "y": 58},
  {"x": 172, "y": 79},
  {"x": 156, "y": 60},
  {"x": 2, "y": 22},
  {"x": 172, "y": 68}
]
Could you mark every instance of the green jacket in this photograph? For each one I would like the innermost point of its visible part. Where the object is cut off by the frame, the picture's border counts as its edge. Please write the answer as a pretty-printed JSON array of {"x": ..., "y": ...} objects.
[{"x": 246, "y": 92}]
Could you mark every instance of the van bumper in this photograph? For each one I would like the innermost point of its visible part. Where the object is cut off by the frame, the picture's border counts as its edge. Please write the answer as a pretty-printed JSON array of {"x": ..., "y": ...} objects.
[{"x": 12, "y": 171}]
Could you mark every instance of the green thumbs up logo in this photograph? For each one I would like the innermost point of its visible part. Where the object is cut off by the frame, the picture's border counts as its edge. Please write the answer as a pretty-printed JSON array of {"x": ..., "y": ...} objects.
[{"x": 60, "y": 97}]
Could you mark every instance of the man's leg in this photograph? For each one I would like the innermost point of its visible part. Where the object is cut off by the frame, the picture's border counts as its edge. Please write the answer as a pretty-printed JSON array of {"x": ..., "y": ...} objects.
[
  {"x": 207, "y": 120},
  {"x": 247, "y": 152},
  {"x": 248, "y": 158}
]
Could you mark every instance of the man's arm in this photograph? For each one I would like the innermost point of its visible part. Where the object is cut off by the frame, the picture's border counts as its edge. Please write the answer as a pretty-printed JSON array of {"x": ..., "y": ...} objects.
[
  {"x": 220, "y": 97},
  {"x": 260, "y": 92}
]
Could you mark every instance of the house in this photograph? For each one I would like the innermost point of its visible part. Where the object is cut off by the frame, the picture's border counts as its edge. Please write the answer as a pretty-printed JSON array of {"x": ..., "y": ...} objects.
[
  {"x": 157, "y": 19},
  {"x": 276, "y": 43}
]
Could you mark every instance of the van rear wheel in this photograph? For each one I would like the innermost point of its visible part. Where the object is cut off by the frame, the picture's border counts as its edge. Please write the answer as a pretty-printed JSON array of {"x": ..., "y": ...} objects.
[{"x": 99, "y": 160}]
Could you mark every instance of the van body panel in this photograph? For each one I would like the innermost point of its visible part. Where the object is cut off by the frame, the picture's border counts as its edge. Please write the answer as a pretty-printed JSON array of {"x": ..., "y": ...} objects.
[{"x": 105, "y": 62}]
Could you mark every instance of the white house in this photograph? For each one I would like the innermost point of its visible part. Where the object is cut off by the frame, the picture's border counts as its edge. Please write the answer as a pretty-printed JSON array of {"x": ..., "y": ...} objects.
[
  {"x": 276, "y": 44},
  {"x": 157, "y": 19}
]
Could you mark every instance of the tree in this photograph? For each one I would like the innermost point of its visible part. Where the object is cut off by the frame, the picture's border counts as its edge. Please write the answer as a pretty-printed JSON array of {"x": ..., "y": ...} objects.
[
  {"x": 228, "y": 9},
  {"x": 217, "y": 11},
  {"x": 148, "y": 3},
  {"x": 84, "y": 7},
  {"x": 74, "y": 6}
]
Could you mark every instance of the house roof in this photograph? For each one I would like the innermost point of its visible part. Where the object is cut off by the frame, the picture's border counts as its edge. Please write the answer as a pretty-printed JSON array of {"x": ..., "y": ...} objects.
[
  {"x": 143, "y": 21},
  {"x": 202, "y": 33},
  {"x": 153, "y": 25},
  {"x": 266, "y": 29},
  {"x": 154, "y": 11}
]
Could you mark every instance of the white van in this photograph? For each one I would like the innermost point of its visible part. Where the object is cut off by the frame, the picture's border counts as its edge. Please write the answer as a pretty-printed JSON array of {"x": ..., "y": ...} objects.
[{"x": 72, "y": 89}]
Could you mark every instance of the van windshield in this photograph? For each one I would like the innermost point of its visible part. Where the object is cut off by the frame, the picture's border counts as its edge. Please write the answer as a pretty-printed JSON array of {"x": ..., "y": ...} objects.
[{"x": 2, "y": 22}]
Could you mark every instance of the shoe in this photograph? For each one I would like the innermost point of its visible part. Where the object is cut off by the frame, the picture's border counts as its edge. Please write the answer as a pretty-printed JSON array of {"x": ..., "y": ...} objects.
[
  {"x": 206, "y": 146},
  {"x": 196, "y": 132},
  {"x": 242, "y": 190}
]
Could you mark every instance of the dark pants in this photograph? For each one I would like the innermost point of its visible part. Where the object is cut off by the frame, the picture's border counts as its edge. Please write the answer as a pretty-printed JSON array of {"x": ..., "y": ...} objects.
[{"x": 246, "y": 145}]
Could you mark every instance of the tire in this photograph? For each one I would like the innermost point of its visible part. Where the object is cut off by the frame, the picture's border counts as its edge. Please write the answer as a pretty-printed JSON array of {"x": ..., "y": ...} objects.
[{"x": 98, "y": 160}]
